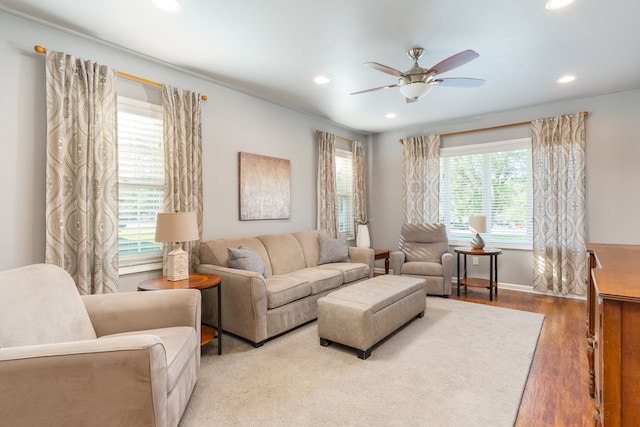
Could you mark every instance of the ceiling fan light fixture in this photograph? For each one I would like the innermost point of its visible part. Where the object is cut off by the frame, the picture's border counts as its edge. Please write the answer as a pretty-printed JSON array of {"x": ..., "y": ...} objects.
[{"x": 415, "y": 90}]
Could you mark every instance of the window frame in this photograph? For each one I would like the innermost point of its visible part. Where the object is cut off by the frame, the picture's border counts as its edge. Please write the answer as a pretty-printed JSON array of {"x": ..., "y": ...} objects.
[
  {"x": 463, "y": 238},
  {"x": 141, "y": 261},
  {"x": 348, "y": 221}
]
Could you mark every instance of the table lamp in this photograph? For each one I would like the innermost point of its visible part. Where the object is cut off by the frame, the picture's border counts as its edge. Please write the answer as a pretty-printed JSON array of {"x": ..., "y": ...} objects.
[
  {"x": 177, "y": 227},
  {"x": 478, "y": 224}
]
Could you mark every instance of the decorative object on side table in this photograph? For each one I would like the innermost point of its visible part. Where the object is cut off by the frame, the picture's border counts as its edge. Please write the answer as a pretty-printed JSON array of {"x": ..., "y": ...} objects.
[
  {"x": 362, "y": 236},
  {"x": 177, "y": 227},
  {"x": 478, "y": 224}
]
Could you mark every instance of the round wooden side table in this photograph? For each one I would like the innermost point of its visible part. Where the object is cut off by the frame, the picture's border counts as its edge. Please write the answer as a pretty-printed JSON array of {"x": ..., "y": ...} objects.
[
  {"x": 199, "y": 281},
  {"x": 475, "y": 282}
]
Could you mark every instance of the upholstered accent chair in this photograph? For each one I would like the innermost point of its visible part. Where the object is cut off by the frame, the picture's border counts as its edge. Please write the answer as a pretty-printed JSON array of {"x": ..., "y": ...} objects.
[
  {"x": 424, "y": 253},
  {"x": 123, "y": 359}
]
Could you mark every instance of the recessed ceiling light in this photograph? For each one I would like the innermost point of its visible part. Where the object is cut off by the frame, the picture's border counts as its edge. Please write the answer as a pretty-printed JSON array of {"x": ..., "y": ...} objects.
[
  {"x": 557, "y": 4},
  {"x": 321, "y": 80},
  {"x": 566, "y": 79},
  {"x": 391, "y": 116},
  {"x": 168, "y": 5}
]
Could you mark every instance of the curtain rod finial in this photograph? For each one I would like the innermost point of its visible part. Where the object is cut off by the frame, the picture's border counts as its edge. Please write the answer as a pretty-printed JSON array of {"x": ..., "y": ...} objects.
[{"x": 39, "y": 49}]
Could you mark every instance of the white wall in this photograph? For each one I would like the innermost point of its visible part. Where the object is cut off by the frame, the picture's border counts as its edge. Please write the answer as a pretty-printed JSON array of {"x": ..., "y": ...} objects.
[
  {"x": 613, "y": 172},
  {"x": 232, "y": 122}
]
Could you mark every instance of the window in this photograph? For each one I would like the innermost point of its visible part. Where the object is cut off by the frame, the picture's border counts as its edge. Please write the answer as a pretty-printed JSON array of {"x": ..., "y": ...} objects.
[
  {"x": 140, "y": 181},
  {"x": 493, "y": 180},
  {"x": 344, "y": 192}
]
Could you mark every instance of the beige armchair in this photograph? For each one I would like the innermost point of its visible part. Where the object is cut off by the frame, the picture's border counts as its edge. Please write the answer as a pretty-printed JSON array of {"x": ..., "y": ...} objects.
[
  {"x": 124, "y": 359},
  {"x": 424, "y": 252}
]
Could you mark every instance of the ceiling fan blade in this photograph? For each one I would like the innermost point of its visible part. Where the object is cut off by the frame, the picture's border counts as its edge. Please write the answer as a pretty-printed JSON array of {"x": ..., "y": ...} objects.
[
  {"x": 454, "y": 61},
  {"x": 458, "y": 82},
  {"x": 374, "y": 89},
  {"x": 384, "y": 69}
]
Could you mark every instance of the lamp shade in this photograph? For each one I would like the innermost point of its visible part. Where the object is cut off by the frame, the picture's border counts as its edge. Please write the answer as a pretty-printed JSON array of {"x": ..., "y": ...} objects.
[
  {"x": 415, "y": 90},
  {"x": 478, "y": 224},
  {"x": 177, "y": 227}
]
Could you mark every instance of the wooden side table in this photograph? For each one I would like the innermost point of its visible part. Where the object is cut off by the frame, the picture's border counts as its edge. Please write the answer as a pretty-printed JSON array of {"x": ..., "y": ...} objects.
[
  {"x": 492, "y": 283},
  {"x": 383, "y": 254},
  {"x": 200, "y": 281}
]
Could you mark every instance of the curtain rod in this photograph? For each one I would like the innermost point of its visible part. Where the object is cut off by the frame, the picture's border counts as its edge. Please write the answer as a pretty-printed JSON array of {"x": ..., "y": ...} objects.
[
  {"x": 43, "y": 50},
  {"x": 338, "y": 137},
  {"x": 489, "y": 128}
]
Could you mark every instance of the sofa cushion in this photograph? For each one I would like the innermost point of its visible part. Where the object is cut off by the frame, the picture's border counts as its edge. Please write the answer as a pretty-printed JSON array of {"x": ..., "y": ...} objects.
[
  {"x": 285, "y": 253},
  {"x": 332, "y": 250},
  {"x": 422, "y": 268},
  {"x": 41, "y": 305},
  {"x": 350, "y": 271},
  {"x": 178, "y": 341},
  {"x": 245, "y": 258},
  {"x": 320, "y": 279},
  {"x": 310, "y": 247},
  {"x": 282, "y": 290}
]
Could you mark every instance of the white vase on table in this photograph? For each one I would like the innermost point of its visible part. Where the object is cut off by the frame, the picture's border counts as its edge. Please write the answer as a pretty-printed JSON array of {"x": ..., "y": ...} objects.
[{"x": 362, "y": 238}]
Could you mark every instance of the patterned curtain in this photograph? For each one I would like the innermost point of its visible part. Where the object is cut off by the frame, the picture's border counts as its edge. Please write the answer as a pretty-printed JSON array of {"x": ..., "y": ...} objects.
[
  {"x": 327, "y": 216},
  {"x": 82, "y": 172},
  {"x": 421, "y": 179},
  {"x": 183, "y": 159},
  {"x": 359, "y": 179},
  {"x": 559, "y": 188}
]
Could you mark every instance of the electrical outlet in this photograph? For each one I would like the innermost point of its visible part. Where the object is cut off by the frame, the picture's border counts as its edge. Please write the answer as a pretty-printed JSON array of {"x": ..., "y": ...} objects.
[{"x": 475, "y": 260}]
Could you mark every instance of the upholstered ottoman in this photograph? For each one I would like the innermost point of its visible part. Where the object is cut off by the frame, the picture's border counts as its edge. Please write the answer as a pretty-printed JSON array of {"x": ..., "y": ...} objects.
[{"x": 361, "y": 315}]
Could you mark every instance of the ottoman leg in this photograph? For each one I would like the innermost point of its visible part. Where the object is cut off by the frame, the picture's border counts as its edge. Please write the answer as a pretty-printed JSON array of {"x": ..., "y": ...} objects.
[
  {"x": 324, "y": 342},
  {"x": 420, "y": 315},
  {"x": 363, "y": 354}
]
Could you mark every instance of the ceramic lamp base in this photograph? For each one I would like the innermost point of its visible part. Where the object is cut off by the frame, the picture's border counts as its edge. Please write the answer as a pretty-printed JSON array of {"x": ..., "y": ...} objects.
[
  {"x": 177, "y": 264},
  {"x": 477, "y": 242}
]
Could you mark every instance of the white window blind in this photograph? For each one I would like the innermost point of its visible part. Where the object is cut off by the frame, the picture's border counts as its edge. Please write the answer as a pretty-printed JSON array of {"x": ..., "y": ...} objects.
[
  {"x": 492, "y": 180},
  {"x": 140, "y": 180},
  {"x": 344, "y": 192}
]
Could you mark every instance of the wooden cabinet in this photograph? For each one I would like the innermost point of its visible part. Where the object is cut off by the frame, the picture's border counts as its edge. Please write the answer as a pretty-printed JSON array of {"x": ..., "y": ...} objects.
[{"x": 613, "y": 333}]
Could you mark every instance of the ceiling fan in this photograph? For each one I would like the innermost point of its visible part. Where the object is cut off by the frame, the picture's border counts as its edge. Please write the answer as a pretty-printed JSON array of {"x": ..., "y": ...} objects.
[{"x": 417, "y": 81}]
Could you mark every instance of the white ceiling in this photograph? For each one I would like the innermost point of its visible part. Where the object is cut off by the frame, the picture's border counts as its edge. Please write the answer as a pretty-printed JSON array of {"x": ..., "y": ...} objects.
[{"x": 273, "y": 49}]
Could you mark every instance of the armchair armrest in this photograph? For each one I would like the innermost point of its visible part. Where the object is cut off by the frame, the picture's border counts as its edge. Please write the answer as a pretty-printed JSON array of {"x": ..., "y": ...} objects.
[
  {"x": 135, "y": 311},
  {"x": 447, "y": 264},
  {"x": 102, "y": 382},
  {"x": 363, "y": 256},
  {"x": 395, "y": 262}
]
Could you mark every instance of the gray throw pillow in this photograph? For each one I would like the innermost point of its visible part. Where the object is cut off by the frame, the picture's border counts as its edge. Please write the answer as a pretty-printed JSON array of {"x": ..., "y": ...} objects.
[
  {"x": 245, "y": 258},
  {"x": 332, "y": 250}
]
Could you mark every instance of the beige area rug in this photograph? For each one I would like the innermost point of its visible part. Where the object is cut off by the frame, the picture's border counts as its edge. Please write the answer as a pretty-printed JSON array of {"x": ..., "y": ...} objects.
[{"x": 463, "y": 364}]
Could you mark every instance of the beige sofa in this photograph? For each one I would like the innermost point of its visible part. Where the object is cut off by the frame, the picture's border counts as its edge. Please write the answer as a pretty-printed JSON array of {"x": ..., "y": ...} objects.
[
  {"x": 123, "y": 359},
  {"x": 256, "y": 307}
]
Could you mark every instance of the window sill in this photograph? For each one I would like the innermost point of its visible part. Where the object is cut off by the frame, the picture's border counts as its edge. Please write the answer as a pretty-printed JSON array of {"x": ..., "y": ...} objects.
[
  {"x": 139, "y": 268},
  {"x": 510, "y": 246}
]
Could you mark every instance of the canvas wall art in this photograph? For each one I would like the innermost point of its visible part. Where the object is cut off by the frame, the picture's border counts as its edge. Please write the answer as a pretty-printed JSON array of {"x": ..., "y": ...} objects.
[{"x": 265, "y": 187}]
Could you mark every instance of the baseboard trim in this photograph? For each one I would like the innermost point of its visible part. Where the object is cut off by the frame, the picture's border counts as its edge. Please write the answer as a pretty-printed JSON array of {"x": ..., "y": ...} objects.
[{"x": 528, "y": 289}]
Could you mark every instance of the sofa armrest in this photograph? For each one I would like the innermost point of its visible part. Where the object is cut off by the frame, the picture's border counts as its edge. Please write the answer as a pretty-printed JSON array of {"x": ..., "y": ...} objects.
[
  {"x": 362, "y": 256},
  {"x": 135, "y": 311},
  {"x": 111, "y": 381},
  {"x": 244, "y": 302},
  {"x": 397, "y": 258}
]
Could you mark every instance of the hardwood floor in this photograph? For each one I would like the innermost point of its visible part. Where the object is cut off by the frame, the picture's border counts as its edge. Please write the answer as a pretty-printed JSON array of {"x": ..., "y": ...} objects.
[{"x": 557, "y": 391}]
